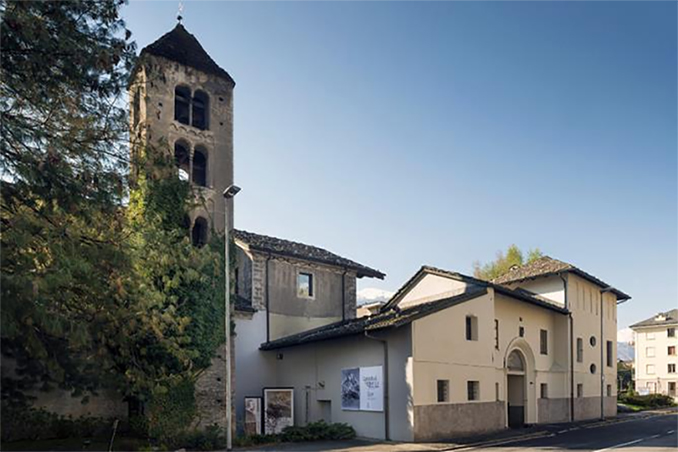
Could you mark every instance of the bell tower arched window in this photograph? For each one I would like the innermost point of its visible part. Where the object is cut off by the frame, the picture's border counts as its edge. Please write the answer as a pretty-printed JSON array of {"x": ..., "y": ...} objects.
[
  {"x": 182, "y": 158},
  {"x": 199, "y": 233},
  {"x": 200, "y": 105},
  {"x": 182, "y": 104},
  {"x": 200, "y": 166}
]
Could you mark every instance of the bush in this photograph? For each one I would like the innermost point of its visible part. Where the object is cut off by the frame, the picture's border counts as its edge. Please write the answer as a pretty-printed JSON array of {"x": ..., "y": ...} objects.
[
  {"x": 646, "y": 401},
  {"x": 169, "y": 413},
  {"x": 313, "y": 431},
  {"x": 25, "y": 423},
  {"x": 211, "y": 438}
]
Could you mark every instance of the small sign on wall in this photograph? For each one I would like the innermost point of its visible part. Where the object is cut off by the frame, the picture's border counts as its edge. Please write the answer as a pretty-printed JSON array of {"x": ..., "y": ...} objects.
[{"x": 362, "y": 389}]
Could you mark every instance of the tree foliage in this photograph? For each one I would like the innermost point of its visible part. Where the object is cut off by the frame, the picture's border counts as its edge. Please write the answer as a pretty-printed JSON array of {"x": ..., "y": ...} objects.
[
  {"x": 504, "y": 262},
  {"x": 100, "y": 284}
]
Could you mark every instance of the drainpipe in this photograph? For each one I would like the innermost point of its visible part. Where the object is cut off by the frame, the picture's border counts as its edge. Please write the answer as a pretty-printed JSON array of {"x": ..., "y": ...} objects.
[
  {"x": 343, "y": 294},
  {"x": 268, "y": 310},
  {"x": 384, "y": 342},
  {"x": 571, "y": 324},
  {"x": 602, "y": 362}
]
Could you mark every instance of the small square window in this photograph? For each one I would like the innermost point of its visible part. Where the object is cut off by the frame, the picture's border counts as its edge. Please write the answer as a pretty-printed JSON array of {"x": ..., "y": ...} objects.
[
  {"x": 649, "y": 369},
  {"x": 580, "y": 390},
  {"x": 443, "y": 390},
  {"x": 305, "y": 285},
  {"x": 473, "y": 390},
  {"x": 544, "y": 391},
  {"x": 672, "y": 350},
  {"x": 671, "y": 332},
  {"x": 672, "y": 368},
  {"x": 649, "y": 352}
]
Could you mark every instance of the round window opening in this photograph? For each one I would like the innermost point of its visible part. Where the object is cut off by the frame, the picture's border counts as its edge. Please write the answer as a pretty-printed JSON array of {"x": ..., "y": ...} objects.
[
  {"x": 592, "y": 341},
  {"x": 593, "y": 368}
]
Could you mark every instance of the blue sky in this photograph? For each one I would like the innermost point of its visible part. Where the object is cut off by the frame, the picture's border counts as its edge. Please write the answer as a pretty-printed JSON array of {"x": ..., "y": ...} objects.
[{"x": 400, "y": 134}]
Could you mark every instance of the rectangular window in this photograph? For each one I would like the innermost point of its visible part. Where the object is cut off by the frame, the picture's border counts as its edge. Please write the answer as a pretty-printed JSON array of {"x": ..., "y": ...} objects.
[
  {"x": 672, "y": 350},
  {"x": 580, "y": 390},
  {"x": 671, "y": 332},
  {"x": 496, "y": 392},
  {"x": 580, "y": 350},
  {"x": 609, "y": 390},
  {"x": 672, "y": 388},
  {"x": 650, "y": 336},
  {"x": 305, "y": 285},
  {"x": 443, "y": 390},
  {"x": 543, "y": 342},
  {"x": 649, "y": 369},
  {"x": 471, "y": 328},
  {"x": 521, "y": 331},
  {"x": 544, "y": 391},
  {"x": 649, "y": 352},
  {"x": 672, "y": 368},
  {"x": 473, "y": 390},
  {"x": 609, "y": 354},
  {"x": 496, "y": 334}
]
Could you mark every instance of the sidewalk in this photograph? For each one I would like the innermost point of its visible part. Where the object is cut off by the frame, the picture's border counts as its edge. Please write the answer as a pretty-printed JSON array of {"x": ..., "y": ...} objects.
[{"x": 488, "y": 439}]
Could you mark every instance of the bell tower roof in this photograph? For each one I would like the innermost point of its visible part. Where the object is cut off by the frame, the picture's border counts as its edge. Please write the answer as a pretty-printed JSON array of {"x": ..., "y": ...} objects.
[{"x": 182, "y": 47}]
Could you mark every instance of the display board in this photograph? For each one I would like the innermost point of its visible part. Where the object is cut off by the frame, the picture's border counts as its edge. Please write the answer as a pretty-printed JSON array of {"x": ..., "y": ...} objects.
[
  {"x": 362, "y": 389},
  {"x": 278, "y": 409},
  {"x": 253, "y": 415}
]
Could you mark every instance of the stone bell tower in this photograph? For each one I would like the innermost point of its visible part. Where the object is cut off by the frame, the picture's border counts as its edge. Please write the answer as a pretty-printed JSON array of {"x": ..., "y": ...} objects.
[{"x": 182, "y": 100}]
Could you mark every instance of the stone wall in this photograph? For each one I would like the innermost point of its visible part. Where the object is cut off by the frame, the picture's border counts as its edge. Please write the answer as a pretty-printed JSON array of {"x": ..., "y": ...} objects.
[
  {"x": 449, "y": 420},
  {"x": 553, "y": 410}
]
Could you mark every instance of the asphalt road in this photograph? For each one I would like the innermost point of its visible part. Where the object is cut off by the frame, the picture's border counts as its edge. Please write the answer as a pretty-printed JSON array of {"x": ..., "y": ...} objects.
[
  {"x": 653, "y": 434},
  {"x": 658, "y": 433}
]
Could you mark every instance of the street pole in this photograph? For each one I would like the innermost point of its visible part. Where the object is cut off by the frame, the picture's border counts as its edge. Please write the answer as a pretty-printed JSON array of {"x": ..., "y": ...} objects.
[{"x": 229, "y": 193}]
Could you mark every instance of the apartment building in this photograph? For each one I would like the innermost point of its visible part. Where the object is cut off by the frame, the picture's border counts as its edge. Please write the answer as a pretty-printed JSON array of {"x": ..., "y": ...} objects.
[{"x": 656, "y": 357}]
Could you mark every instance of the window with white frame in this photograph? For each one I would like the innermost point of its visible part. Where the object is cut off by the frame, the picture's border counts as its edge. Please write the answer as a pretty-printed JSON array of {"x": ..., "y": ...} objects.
[
  {"x": 672, "y": 368},
  {"x": 649, "y": 369},
  {"x": 305, "y": 287},
  {"x": 649, "y": 352}
]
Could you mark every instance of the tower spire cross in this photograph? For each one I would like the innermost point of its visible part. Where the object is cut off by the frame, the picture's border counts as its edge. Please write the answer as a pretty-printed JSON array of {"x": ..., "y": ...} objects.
[{"x": 180, "y": 17}]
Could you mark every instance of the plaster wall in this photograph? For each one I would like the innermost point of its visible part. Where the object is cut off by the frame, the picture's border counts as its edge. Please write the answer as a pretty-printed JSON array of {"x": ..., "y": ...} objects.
[
  {"x": 314, "y": 371},
  {"x": 431, "y": 287},
  {"x": 550, "y": 287},
  {"x": 584, "y": 300}
]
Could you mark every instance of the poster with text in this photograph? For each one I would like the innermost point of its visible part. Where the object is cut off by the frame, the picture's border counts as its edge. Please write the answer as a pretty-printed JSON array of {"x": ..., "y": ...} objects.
[
  {"x": 362, "y": 389},
  {"x": 253, "y": 415}
]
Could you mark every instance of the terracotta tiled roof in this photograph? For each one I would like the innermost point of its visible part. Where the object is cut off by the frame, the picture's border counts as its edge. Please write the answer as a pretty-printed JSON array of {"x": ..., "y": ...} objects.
[
  {"x": 547, "y": 266},
  {"x": 181, "y": 46},
  {"x": 298, "y": 250},
  {"x": 669, "y": 318},
  {"x": 390, "y": 319}
]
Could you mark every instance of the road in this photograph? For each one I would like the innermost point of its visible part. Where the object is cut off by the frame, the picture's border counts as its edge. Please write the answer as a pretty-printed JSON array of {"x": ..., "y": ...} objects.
[
  {"x": 653, "y": 434},
  {"x": 658, "y": 433}
]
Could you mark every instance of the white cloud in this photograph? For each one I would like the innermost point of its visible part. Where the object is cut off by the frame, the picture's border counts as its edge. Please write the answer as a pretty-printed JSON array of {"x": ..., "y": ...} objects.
[
  {"x": 625, "y": 335},
  {"x": 371, "y": 295}
]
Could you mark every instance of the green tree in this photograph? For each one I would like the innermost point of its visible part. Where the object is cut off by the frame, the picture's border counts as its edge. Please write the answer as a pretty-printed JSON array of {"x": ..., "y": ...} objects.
[
  {"x": 100, "y": 283},
  {"x": 504, "y": 262}
]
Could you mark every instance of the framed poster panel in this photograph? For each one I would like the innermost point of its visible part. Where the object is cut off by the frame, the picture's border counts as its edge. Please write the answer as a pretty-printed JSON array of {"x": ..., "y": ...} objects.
[
  {"x": 362, "y": 389},
  {"x": 278, "y": 409},
  {"x": 253, "y": 415}
]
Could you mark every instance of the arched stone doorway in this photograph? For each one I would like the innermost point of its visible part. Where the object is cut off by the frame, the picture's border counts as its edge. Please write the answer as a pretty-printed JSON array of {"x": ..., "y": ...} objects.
[{"x": 516, "y": 389}]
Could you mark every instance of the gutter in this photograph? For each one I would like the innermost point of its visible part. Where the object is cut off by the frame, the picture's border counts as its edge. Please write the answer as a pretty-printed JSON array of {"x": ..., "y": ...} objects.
[
  {"x": 268, "y": 310},
  {"x": 384, "y": 342},
  {"x": 571, "y": 322}
]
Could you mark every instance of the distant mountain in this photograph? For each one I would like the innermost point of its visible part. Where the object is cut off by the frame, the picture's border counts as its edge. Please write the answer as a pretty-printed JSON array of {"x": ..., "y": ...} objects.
[
  {"x": 371, "y": 295},
  {"x": 625, "y": 351}
]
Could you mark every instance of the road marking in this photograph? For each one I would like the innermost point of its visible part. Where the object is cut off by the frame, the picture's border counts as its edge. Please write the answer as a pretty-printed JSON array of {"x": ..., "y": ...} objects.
[
  {"x": 620, "y": 445},
  {"x": 670, "y": 431}
]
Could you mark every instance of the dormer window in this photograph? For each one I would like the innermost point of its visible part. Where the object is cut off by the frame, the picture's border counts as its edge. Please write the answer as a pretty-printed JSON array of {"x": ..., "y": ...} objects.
[{"x": 182, "y": 104}]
